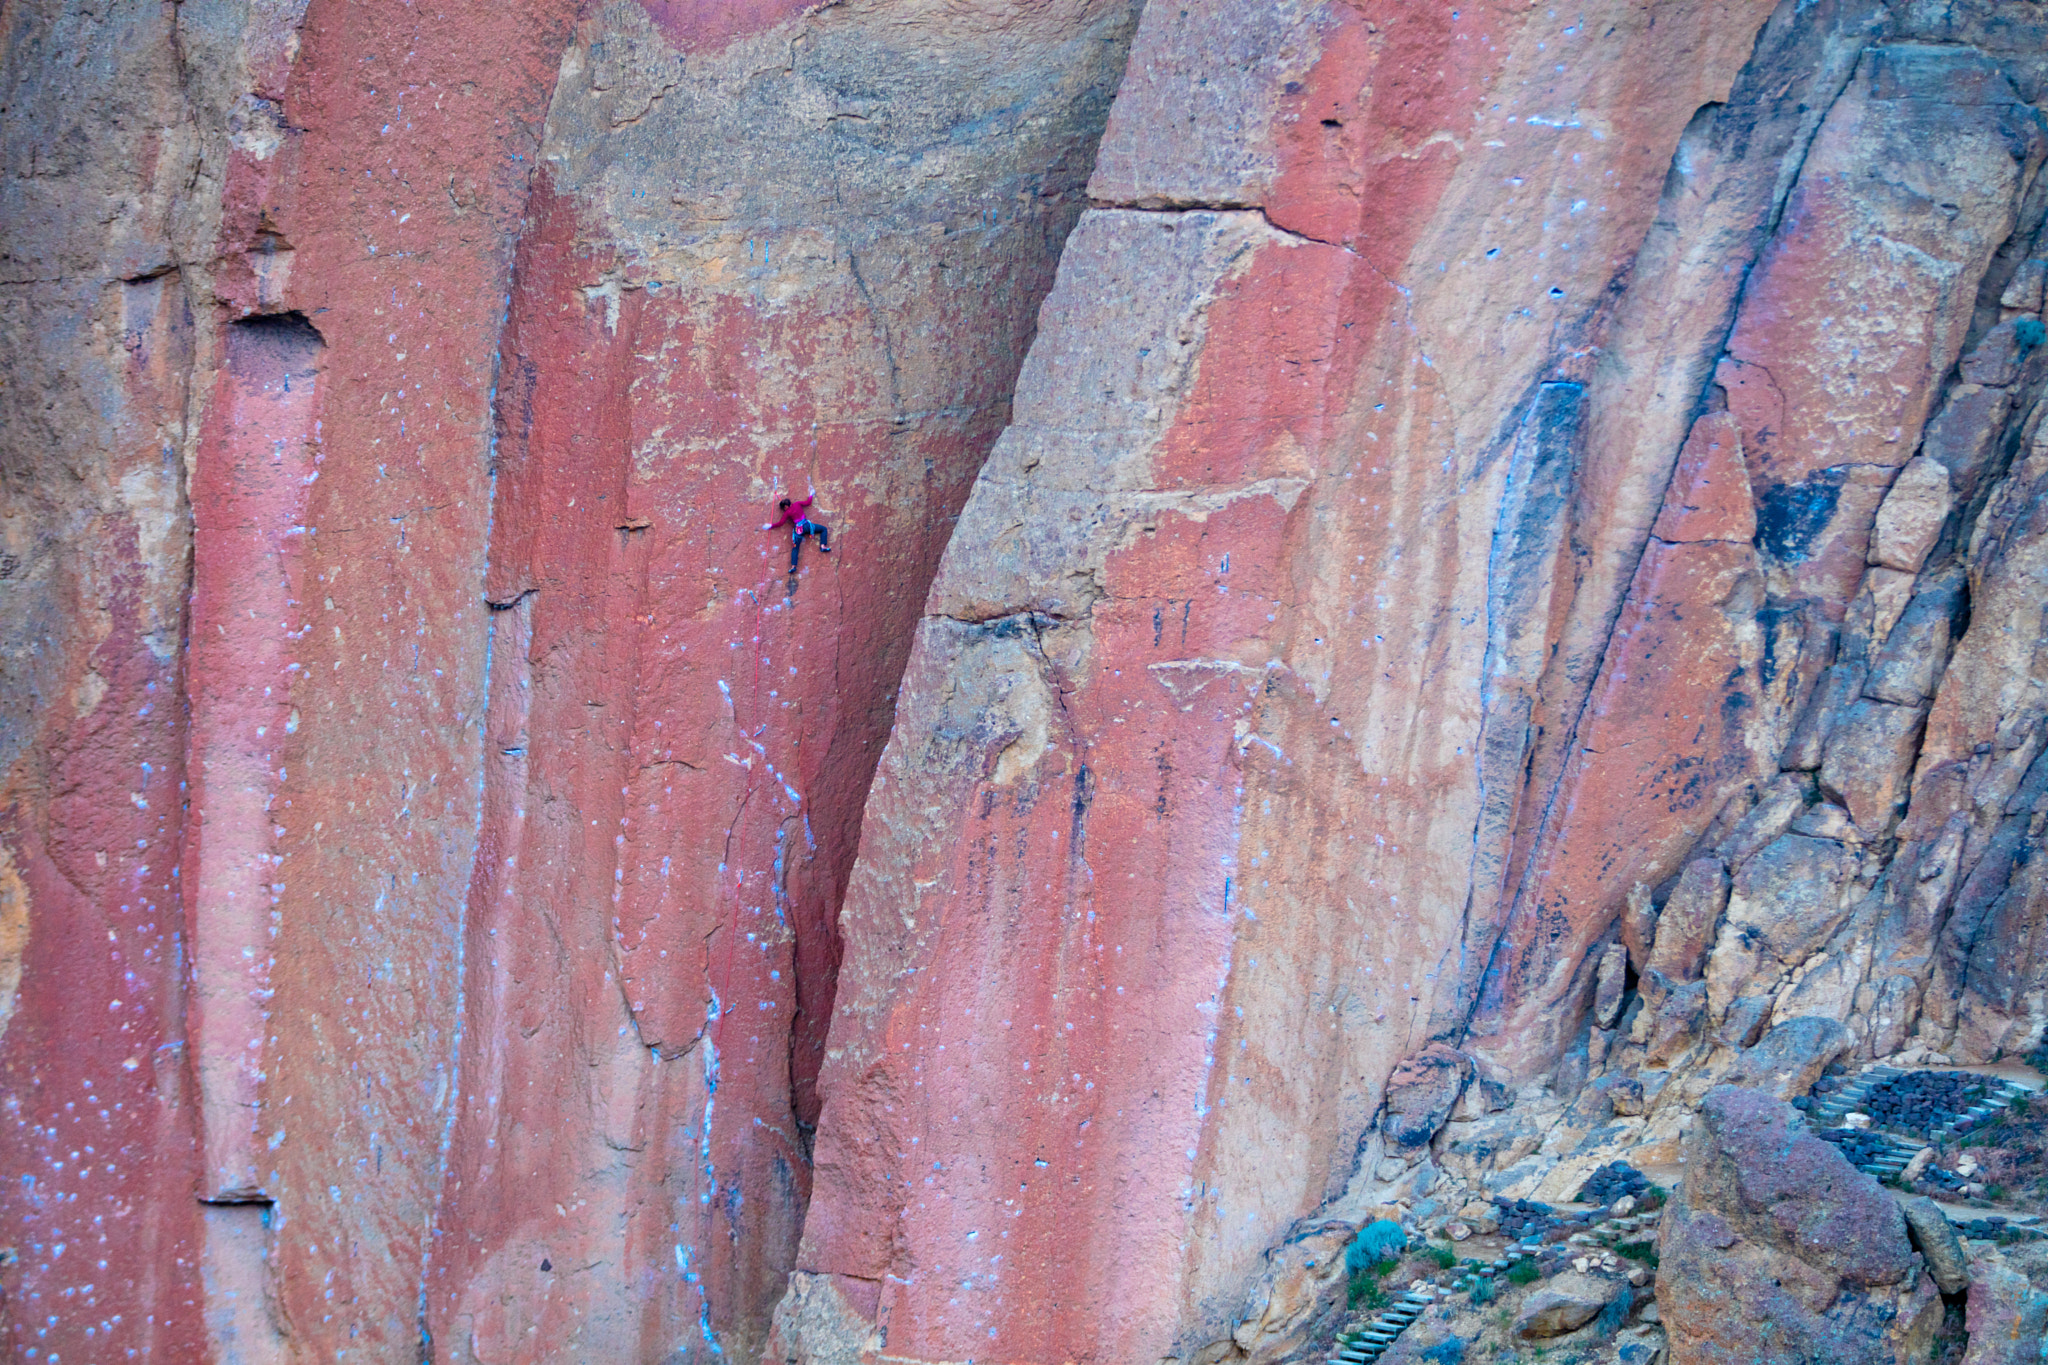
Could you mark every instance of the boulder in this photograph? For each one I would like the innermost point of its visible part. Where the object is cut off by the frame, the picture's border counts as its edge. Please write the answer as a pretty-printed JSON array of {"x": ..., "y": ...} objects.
[
  {"x": 1745, "y": 1020},
  {"x": 1638, "y": 924},
  {"x": 2023, "y": 290},
  {"x": 1678, "y": 1021},
  {"x": 1421, "y": 1094},
  {"x": 1840, "y": 684},
  {"x": 1911, "y": 515},
  {"x": 1611, "y": 979},
  {"x": 1591, "y": 1108},
  {"x": 1564, "y": 1304},
  {"x": 1868, "y": 759},
  {"x": 1876, "y": 609},
  {"x": 1916, "y": 649},
  {"x": 1785, "y": 902},
  {"x": 1936, "y": 1238},
  {"x": 1776, "y": 1248},
  {"x": 1996, "y": 359},
  {"x": 1787, "y": 1061},
  {"x": 1963, "y": 437},
  {"x": 1777, "y": 805},
  {"x": 1481, "y": 1216},
  {"x": 1827, "y": 821},
  {"x": 1481, "y": 1097},
  {"x": 1892, "y": 1013}
]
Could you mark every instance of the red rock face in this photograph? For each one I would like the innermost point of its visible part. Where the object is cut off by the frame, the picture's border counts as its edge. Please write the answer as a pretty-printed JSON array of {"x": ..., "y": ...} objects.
[
  {"x": 249, "y": 575},
  {"x": 1313, "y": 603},
  {"x": 396, "y": 205},
  {"x": 1857, "y": 268},
  {"x": 104, "y": 1239},
  {"x": 1179, "y": 806},
  {"x": 367, "y": 1061},
  {"x": 683, "y": 727},
  {"x": 366, "y": 185}
]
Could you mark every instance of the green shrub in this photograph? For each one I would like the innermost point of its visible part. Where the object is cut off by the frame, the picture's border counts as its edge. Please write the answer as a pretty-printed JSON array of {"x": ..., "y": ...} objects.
[
  {"x": 1646, "y": 1252},
  {"x": 1377, "y": 1241},
  {"x": 1524, "y": 1271},
  {"x": 1444, "y": 1257},
  {"x": 2029, "y": 333},
  {"x": 1364, "y": 1292},
  {"x": 1484, "y": 1290}
]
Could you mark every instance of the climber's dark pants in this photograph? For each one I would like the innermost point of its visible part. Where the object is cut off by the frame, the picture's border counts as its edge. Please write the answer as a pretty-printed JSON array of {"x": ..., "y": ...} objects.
[{"x": 808, "y": 528}]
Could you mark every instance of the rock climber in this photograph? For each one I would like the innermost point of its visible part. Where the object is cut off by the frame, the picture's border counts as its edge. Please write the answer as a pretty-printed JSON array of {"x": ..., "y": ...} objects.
[{"x": 794, "y": 516}]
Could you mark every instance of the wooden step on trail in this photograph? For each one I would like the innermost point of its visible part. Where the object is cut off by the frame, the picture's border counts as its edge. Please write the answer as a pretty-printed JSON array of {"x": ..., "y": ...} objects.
[
  {"x": 1830, "y": 1112},
  {"x": 1368, "y": 1343}
]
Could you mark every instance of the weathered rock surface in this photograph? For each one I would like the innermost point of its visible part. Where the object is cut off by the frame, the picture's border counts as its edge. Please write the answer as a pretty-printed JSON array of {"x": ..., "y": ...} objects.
[
  {"x": 1507, "y": 591},
  {"x": 1786, "y": 1061},
  {"x": 1138, "y": 812},
  {"x": 1935, "y": 1238},
  {"x": 404, "y": 313},
  {"x": 1564, "y": 1304},
  {"x": 1302, "y": 1281},
  {"x": 1777, "y": 1248},
  {"x": 249, "y": 399},
  {"x": 1421, "y": 1094},
  {"x": 2007, "y": 1317},
  {"x": 1912, "y": 515},
  {"x": 1686, "y": 926},
  {"x": 726, "y": 294}
]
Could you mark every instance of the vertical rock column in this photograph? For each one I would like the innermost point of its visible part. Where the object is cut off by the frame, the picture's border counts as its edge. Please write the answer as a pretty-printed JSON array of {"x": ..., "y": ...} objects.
[
  {"x": 103, "y": 239},
  {"x": 371, "y": 192},
  {"x": 1169, "y": 858},
  {"x": 248, "y": 576},
  {"x": 256, "y": 464},
  {"x": 775, "y": 254}
]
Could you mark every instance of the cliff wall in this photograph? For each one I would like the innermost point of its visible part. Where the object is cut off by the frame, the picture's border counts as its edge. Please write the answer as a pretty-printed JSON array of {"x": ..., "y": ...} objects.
[
  {"x": 421, "y": 758},
  {"x": 1459, "y": 485},
  {"x": 1388, "y": 562},
  {"x": 805, "y": 263}
]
